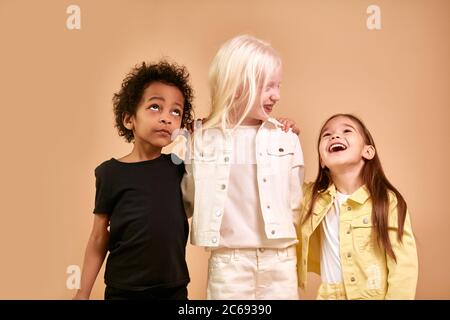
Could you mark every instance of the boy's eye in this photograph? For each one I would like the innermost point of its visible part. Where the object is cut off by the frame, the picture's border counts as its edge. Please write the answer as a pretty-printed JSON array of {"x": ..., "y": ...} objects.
[
  {"x": 176, "y": 112},
  {"x": 347, "y": 130},
  {"x": 154, "y": 107},
  {"x": 326, "y": 134}
]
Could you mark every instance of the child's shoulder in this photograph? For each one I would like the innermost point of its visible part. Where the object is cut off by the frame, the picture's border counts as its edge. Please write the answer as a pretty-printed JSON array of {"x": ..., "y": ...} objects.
[
  {"x": 307, "y": 188},
  {"x": 104, "y": 167},
  {"x": 174, "y": 159},
  {"x": 288, "y": 136},
  {"x": 289, "y": 140},
  {"x": 175, "y": 162}
]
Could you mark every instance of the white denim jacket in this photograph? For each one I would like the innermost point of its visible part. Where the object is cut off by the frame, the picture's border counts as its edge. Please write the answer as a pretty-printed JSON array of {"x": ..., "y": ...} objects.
[{"x": 279, "y": 173}]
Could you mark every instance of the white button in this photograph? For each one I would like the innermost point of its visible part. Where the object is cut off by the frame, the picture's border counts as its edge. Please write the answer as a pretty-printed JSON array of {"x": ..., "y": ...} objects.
[
  {"x": 264, "y": 180},
  {"x": 273, "y": 232},
  {"x": 223, "y": 187},
  {"x": 214, "y": 240},
  {"x": 260, "y": 154},
  {"x": 365, "y": 220},
  {"x": 268, "y": 207},
  {"x": 218, "y": 212},
  {"x": 226, "y": 159}
]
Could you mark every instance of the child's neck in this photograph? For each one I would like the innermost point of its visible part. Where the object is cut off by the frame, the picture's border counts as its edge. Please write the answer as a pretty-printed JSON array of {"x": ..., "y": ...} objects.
[
  {"x": 251, "y": 122},
  {"x": 143, "y": 152},
  {"x": 347, "y": 181}
]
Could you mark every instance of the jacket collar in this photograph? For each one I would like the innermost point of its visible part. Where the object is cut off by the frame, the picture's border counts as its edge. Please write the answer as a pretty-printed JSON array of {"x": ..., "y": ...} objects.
[
  {"x": 272, "y": 122},
  {"x": 360, "y": 195}
]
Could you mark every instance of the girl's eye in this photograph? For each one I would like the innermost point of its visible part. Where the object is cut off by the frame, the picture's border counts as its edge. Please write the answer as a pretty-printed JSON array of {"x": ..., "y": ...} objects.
[
  {"x": 347, "y": 130},
  {"x": 154, "y": 107},
  {"x": 325, "y": 135}
]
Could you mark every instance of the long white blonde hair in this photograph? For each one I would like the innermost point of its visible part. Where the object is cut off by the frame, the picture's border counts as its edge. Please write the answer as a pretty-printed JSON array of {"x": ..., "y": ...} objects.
[{"x": 237, "y": 75}]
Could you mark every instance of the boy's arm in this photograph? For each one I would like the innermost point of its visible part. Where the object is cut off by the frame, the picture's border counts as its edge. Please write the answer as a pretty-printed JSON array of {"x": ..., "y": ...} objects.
[
  {"x": 403, "y": 274},
  {"x": 188, "y": 190},
  {"x": 94, "y": 256}
]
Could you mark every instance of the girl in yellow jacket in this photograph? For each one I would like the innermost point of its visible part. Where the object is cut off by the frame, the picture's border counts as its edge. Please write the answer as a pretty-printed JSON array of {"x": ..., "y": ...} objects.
[{"x": 355, "y": 232}]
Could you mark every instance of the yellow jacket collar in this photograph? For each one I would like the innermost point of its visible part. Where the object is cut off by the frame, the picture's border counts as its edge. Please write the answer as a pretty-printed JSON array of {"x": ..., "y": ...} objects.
[{"x": 360, "y": 195}]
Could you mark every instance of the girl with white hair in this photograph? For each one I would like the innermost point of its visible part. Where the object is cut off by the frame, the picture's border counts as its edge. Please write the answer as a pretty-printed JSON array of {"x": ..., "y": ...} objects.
[{"x": 243, "y": 185}]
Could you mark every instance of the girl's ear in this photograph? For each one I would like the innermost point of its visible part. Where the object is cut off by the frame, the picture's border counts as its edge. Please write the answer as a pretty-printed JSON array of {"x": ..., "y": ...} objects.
[
  {"x": 369, "y": 152},
  {"x": 128, "y": 121}
]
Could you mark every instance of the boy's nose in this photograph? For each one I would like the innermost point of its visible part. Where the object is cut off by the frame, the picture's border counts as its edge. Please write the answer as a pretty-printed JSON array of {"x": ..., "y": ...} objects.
[{"x": 164, "y": 121}]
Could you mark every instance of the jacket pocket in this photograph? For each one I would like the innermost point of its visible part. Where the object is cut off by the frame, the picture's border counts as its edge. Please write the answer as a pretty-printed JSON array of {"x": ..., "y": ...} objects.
[
  {"x": 218, "y": 261},
  {"x": 363, "y": 234},
  {"x": 280, "y": 150}
]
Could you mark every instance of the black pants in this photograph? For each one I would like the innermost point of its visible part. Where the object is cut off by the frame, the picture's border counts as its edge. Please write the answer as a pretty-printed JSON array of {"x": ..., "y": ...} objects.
[{"x": 176, "y": 293}]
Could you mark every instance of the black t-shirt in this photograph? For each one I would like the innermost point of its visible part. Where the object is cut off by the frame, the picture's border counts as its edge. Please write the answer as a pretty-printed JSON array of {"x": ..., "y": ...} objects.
[{"x": 148, "y": 224}]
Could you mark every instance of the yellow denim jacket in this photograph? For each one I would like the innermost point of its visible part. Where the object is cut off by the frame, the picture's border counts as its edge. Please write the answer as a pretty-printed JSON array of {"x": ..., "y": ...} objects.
[{"x": 367, "y": 271}]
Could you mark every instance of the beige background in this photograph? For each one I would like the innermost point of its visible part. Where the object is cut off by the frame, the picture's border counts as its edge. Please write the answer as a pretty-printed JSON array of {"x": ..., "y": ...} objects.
[{"x": 57, "y": 124}]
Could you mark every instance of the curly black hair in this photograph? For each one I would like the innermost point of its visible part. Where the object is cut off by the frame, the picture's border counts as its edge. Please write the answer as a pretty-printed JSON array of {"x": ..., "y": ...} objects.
[{"x": 138, "y": 79}]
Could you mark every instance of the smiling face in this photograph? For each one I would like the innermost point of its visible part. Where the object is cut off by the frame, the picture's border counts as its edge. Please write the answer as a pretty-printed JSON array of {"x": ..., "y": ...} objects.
[
  {"x": 269, "y": 96},
  {"x": 158, "y": 114},
  {"x": 342, "y": 145}
]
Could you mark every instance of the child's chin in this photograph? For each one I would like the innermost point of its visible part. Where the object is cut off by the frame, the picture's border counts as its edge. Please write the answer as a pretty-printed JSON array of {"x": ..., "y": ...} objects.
[
  {"x": 161, "y": 142},
  {"x": 337, "y": 165}
]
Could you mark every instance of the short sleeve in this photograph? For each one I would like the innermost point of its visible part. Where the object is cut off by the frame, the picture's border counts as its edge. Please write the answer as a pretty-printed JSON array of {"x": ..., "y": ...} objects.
[
  {"x": 103, "y": 195},
  {"x": 179, "y": 163}
]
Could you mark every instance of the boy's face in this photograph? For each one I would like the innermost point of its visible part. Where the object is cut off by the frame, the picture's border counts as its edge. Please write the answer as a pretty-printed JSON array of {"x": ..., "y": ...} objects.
[{"x": 158, "y": 114}]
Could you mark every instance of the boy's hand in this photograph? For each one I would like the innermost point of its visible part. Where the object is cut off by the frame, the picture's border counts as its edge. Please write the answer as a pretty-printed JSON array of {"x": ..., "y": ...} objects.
[
  {"x": 80, "y": 296},
  {"x": 289, "y": 124}
]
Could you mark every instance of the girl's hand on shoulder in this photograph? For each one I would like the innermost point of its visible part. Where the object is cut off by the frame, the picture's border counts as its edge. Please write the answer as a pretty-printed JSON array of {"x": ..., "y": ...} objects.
[{"x": 289, "y": 124}]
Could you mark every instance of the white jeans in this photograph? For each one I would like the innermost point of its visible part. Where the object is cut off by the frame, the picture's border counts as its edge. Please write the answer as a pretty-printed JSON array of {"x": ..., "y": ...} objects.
[{"x": 252, "y": 274}]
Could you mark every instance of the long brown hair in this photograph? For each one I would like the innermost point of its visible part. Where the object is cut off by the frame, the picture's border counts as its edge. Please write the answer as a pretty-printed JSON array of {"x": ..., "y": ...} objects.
[{"x": 376, "y": 182}]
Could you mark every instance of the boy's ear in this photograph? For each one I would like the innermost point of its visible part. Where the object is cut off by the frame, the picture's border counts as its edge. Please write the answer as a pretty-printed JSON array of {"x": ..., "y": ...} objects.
[
  {"x": 128, "y": 121},
  {"x": 369, "y": 152}
]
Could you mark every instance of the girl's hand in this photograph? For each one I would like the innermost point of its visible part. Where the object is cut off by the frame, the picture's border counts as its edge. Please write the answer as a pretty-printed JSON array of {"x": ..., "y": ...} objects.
[{"x": 289, "y": 124}]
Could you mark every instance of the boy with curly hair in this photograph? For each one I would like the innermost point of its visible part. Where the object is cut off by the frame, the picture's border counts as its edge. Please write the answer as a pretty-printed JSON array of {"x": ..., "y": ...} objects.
[{"x": 139, "y": 214}]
